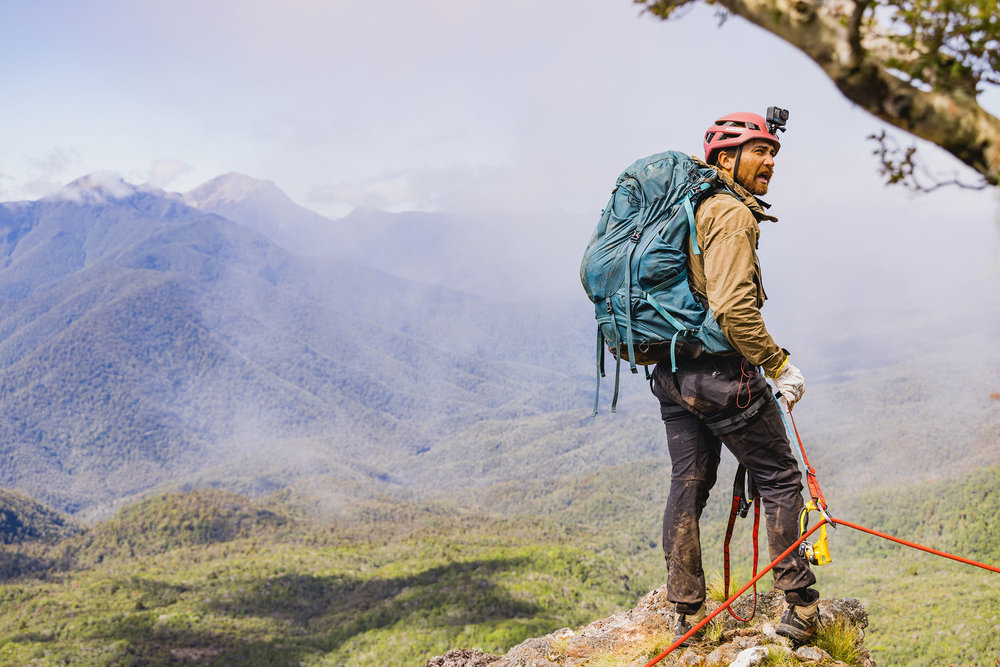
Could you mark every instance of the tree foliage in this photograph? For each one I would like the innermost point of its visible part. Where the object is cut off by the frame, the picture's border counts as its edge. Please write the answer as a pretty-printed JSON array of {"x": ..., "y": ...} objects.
[{"x": 920, "y": 65}]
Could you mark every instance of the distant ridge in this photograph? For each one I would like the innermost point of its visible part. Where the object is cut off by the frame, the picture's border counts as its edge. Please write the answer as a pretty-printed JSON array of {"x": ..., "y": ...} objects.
[
  {"x": 499, "y": 258},
  {"x": 261, "y": 206}
]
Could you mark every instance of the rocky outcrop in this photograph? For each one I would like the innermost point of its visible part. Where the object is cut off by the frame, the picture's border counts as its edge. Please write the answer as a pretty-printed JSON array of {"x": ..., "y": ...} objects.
[{"x": 633, "y": 637}]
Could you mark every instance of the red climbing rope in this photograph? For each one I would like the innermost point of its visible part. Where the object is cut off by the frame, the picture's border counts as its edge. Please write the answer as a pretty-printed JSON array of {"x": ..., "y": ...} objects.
[
  {"x": 725, "y": 552},
  {"x": 811, "y": 479},
  {"x": 907, "y": 543}
]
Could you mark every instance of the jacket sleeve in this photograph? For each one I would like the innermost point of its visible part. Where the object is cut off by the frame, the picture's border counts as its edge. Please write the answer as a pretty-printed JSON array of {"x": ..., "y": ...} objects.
[{"x": 733, "y": 283}]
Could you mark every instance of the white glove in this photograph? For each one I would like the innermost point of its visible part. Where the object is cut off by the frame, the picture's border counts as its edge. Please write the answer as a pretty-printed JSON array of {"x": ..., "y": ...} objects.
[{"x": 790, "y": 383}]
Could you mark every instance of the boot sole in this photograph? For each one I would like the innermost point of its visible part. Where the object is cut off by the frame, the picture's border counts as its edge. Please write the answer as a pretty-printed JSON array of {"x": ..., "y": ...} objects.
[
  {"x": 696, "y": 637},
  {"x": 797, "y": 635}
]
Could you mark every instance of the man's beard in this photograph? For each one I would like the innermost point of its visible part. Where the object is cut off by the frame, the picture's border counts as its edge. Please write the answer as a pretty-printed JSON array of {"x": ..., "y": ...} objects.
[{"x": 747, "y": 177}]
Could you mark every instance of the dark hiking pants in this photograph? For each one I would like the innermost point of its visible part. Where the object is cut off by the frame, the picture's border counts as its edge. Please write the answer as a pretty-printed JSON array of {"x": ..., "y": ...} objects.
[{"x": 702, "y": 394}]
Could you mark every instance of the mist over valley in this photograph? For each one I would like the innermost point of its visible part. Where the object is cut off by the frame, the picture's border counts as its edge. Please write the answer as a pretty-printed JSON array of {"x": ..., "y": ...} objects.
[{"x": 148, "y": 344}]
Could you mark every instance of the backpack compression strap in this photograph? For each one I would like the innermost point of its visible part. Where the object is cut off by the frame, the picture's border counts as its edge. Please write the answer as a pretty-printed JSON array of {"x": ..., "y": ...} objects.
[
  {"x": 600, "y": 367},
  {"x": 689, "y": 210},
  {"x": 651, "y": 300},
  {"x": 633, "y": 241},
  {"x": 651, "y": 212}
]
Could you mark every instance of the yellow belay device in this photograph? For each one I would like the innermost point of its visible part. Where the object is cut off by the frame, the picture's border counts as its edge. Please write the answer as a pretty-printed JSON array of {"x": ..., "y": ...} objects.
[{"x": 817, "y": 553}]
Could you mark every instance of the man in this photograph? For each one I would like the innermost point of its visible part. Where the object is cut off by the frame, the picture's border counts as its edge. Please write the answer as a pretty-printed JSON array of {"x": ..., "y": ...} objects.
[{"x": 715, "y": 399}]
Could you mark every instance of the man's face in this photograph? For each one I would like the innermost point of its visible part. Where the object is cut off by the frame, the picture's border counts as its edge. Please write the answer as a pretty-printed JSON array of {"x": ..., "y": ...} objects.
[{"x": 756, "y": 166}]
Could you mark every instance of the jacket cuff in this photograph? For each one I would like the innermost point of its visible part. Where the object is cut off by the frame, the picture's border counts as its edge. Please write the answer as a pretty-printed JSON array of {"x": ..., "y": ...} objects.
[{"x": 774, "y": 365}]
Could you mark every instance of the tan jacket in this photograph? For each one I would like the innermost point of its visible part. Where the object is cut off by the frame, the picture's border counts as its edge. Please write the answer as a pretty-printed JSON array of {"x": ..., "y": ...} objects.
[{"x": 727, "y": 273}]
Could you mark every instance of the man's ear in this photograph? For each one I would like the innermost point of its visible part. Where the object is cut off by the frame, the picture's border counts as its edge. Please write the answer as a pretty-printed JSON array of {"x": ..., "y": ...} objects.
[{"x": 726, "y": 162}]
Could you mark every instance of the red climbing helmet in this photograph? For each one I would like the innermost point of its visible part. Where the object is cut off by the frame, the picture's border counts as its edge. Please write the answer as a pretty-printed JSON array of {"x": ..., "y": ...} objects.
[{"x": 736, "y": 129}]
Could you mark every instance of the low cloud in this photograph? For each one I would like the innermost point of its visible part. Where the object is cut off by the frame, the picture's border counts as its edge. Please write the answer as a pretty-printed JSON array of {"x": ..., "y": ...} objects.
[
  {"x": 164, "y": 172},
  {"x": 54, "y": 163},
  {"x": 390, "y": 192},
  {"x": 38, "y": 188},
  {"x": 7, "y": 184},
  {"x": 46, "y": 175},
  {"x": 96, "y": 187},
  {"x": 466, "y": 190}
]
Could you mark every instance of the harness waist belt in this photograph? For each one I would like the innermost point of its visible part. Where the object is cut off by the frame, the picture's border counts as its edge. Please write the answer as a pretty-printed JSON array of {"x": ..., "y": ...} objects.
[{"x": 731, "y": 423}]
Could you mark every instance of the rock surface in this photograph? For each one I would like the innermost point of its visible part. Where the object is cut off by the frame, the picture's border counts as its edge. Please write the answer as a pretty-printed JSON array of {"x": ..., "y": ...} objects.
[
  {"x": 463, "y": 658},
  {"x": 633, "y": 637}
]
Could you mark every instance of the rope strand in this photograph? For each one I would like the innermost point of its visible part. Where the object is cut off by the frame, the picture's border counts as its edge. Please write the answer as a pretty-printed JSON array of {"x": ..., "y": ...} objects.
[
  {"x": 914, "y": 545},
  {"x": 725, "y": 605}
]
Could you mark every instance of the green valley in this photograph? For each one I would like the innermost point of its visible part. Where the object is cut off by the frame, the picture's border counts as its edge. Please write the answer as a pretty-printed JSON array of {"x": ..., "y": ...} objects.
[{"x": 217, "y": 577}]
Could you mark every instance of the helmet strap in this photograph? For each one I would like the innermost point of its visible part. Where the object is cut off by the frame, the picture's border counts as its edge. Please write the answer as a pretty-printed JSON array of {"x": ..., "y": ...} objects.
[{"x": 736, "y": 164}]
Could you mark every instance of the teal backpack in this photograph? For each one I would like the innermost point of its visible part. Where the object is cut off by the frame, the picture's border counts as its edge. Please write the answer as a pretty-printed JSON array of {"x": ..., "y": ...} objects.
[{"x": 635, "y": 267}]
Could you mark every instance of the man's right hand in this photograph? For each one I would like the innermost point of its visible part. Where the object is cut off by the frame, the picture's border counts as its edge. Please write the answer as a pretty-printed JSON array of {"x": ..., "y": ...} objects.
[{"x": 791, "y": 384}]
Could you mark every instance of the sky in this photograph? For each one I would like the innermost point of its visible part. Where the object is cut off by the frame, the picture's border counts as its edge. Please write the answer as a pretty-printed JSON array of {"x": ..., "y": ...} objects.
[{"x": 514, "y": 113}]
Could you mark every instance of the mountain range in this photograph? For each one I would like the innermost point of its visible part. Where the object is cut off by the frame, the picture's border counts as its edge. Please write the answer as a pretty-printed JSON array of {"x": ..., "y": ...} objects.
[
  {"x": 228, "y": 337},
  {"x": 144, "y": 340}
]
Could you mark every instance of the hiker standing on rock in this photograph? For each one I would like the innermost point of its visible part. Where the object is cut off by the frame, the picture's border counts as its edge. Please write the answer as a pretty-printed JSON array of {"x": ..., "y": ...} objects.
[{"x": 715, "y": 399}]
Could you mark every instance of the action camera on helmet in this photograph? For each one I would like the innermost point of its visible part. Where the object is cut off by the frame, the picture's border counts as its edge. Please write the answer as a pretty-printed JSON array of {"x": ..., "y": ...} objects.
[{"x": 776, "y": 119}]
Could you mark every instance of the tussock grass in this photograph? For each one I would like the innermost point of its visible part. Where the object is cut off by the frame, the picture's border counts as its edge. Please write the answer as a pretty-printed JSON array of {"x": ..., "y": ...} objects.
[
  {"x": 560, "y": 645},
  {"x": 840, "y": 640},
  {"x": 714, "y": 630},
  {"x": 715, "y": 585},
  {"x": 777, "y": 657},
  {"x": 654, "y": 645}
]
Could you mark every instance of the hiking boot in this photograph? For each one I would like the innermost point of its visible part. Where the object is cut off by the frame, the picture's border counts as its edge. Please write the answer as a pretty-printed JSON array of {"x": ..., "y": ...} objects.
[
  {"x": 687, "y": 621},
  {"x": 799, "y": 622}
]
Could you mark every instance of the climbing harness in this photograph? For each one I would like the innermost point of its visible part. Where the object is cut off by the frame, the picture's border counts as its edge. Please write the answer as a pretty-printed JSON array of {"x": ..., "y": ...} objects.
[
  {"x": 744, "y": 495},
  {"x": 728, "y": 421}
]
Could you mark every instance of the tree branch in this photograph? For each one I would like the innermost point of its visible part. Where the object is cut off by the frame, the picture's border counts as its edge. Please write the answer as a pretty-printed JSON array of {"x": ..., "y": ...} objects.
[
  {"x": 900, "y": 166},
  {"x": 854, "y": 30},
  {"x": 861, "y": 67}
]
